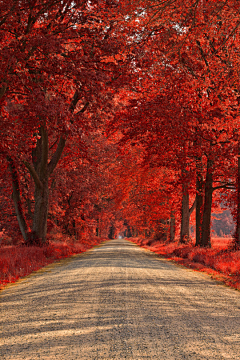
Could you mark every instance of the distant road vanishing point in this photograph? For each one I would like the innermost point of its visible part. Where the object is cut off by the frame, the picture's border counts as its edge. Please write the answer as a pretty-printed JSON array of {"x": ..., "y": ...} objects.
[{"x": 118, "y": 301}]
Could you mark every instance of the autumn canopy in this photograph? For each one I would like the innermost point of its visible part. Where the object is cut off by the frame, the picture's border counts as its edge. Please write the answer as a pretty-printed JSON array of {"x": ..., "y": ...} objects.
[{"x": 119, "y": 118}]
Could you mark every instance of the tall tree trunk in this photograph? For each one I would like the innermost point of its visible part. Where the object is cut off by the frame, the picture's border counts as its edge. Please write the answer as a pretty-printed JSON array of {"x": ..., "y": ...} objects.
[
  {"x": 111, "y": 232},
  {"x": 129, "y": 232},
  {"x": 206, "y": 223},
  {"x": 17, "y": 199},
  {"x": 185, "y": 214},
  {"x": 97, "y": 228},
  {"x": 40, "y": 175},
  {"x": 199, "y": 201},
  {"x": 39, "y": 227},
  {"x": 237, "y": 233}
]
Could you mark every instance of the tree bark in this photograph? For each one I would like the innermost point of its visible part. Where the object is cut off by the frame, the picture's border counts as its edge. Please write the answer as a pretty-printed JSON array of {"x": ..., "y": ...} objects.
[
  {"x": 39, "y": 173},
  {"x": 111, "y": 232},
  {"x": 185, "y": 214},
  {"x": 97, "y": 228},
  {"x": 199, "y": 201},
  {"x": 39, "y": 227},
  {"x": 206, "y": 222},
  {"x": 17, "y": 199}
]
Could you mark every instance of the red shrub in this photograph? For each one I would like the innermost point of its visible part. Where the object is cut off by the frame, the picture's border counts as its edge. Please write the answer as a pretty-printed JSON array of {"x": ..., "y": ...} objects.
[{"x": 19, "y": 261}]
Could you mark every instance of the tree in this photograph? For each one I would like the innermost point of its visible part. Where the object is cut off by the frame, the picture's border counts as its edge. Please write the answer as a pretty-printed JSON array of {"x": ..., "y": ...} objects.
[
  {"x": 55, "y": 80},
  {"x": 185, "y": 98},
  {"x": 167, "y": 71}
]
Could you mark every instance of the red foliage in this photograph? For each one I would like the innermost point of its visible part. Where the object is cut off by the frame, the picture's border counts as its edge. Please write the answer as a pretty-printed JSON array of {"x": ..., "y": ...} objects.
[
  {"x": 165, "y": 81},
  {"x": 19, "y": 261}
]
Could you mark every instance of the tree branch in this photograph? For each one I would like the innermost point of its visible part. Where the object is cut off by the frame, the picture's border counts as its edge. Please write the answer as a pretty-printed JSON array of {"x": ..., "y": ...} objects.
[
  {"x": 56, "y": 156},
  {"x": 192, "y": 207},
  {"x": 74, "y": 101},
  {"x": 83, "y": 109},
  {"x": 225, "y": 186},
  {"x": 33, "y": 174},
  {"x": 54, "y": 144},
  {"x": 202, "y": 53}
]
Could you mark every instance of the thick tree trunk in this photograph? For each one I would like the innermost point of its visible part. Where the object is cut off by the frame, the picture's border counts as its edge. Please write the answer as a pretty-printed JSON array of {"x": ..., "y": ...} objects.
[
  {"x": 185, "y": 214},
  {"x": 39, "y": 173},
  {"x": 206, "y": 223},
  {"x": 39, "y": 227},
  {"x": 17, "y": 199},
  {"x": 129, "y": 232},
  {"x": 97, "y": 228},
  {"x": 237, "y": 233},
  {"x": 199, "y": 202},
  {"x": 111, "y": 232}
]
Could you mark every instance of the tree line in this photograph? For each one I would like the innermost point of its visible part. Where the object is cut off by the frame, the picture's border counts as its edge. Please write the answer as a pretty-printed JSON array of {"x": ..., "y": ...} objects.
[{"x": 118, "y": 114}]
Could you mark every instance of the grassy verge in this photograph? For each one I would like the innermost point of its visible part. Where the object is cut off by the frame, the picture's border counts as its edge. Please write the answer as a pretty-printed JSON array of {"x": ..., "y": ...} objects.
[
  {"x": 19, "y": 261},
  {"x": 222, "y": 264}
]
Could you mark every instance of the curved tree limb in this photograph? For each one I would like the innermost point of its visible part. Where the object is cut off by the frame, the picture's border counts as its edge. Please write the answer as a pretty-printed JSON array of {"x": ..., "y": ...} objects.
[
  {"x": 33, "y": 174},
  {"x": 62, "y": 142},
  {"x": 56, "y": 156},
  {"x": 193, "y": 207}
]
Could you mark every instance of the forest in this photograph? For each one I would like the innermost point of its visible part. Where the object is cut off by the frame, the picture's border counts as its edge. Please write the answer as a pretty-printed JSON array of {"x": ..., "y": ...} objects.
[{"x": 119, "y": 119}]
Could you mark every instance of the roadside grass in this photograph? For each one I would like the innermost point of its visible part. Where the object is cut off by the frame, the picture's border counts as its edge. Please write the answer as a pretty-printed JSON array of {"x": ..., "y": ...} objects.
[
  {"x": 220, "y": 261},
  {"x": 19, "y": 261}
]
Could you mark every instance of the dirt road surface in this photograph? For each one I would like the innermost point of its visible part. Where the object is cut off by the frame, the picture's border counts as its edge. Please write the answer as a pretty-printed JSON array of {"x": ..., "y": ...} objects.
[{"x": 119, "y": 301}]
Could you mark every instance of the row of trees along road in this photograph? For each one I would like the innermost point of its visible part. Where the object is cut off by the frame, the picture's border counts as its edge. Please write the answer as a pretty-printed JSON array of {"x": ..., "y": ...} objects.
[{"x": 160, "y": 78}]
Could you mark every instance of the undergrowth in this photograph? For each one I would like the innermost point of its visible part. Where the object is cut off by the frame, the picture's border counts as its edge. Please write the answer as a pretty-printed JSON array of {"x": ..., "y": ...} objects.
[
  {"x": 19, "y": 261},
  {"x": 222, "y": 263}
]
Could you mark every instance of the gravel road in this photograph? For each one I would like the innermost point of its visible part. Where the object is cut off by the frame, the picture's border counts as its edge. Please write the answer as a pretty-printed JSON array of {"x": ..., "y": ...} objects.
[{"x": 118, "y": 301}]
